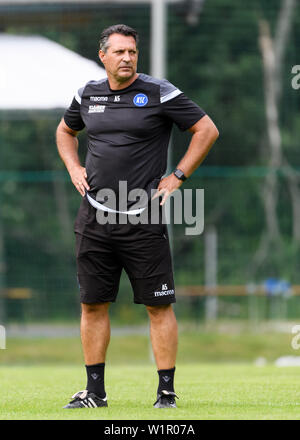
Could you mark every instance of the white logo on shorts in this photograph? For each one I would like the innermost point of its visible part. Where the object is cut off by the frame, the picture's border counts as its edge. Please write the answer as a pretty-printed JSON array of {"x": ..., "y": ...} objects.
[{"x": 164, "y": 291}]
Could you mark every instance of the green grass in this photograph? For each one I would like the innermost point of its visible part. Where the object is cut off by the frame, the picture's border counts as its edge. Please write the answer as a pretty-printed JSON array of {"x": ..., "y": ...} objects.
[
  {"x": 206, "y": 391},
  {"x": 215, "y": 378},
  {"x": 194, "y": 346}
]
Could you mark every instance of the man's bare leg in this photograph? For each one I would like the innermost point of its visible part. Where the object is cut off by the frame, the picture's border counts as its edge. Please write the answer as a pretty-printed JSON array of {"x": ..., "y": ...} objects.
[
  {"x": 95, "y": 337},
  {"x": 164, "y": 339},
  {"x": 164, "y": 335},
  {"x": 95, "y": 332}
]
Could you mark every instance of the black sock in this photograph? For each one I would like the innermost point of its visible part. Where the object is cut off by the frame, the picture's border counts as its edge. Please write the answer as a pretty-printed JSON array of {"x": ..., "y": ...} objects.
[
  {"x": 95, "y": 379},
  {"x": 166, "y": 380}
]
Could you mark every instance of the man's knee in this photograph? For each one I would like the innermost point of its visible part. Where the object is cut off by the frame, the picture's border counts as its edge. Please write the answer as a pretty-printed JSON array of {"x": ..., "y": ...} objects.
[
  {"x": 94, "y": 309},
  {"x": 159, "y": 311}
]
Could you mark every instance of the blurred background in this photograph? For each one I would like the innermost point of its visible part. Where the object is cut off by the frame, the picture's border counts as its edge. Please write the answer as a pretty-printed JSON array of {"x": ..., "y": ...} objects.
[{"x": 241, "y": 276}]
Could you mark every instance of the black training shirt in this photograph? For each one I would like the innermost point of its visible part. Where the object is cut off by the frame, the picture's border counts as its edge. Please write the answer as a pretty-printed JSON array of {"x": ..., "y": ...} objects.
[{"x": 129, "y": 130}]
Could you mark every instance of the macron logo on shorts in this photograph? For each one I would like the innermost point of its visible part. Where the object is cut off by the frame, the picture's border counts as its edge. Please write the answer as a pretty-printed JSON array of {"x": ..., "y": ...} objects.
[{"x": 164, "y": 291}]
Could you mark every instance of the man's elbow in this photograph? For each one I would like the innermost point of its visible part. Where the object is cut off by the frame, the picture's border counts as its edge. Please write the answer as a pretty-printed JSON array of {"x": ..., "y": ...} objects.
[
  {"x": 214, "y": 132},
  {"x": 217, "y": 133},
  {"x": 206, "y": 127}
]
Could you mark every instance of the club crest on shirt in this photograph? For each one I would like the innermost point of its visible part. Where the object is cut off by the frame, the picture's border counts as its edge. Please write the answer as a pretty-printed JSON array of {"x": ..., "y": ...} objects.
[{"x": 140, "y": 100}]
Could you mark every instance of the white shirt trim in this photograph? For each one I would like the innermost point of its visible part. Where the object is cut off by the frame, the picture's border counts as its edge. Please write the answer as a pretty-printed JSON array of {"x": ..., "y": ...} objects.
[
  {"x": 98, "y": 205},
  {"x": 77, "y": 97},
  {"x": 169, "y": 96}
]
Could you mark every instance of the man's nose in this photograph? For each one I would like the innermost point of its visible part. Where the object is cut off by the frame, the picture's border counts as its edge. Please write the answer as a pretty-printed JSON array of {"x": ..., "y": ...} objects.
[{"x": 126, "y": 57}]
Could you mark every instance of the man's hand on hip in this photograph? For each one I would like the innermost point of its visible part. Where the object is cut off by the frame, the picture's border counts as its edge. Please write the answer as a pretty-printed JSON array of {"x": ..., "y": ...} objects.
[
  {"x": 166, "y": 186},
  {"x": 78, "y": 176}
]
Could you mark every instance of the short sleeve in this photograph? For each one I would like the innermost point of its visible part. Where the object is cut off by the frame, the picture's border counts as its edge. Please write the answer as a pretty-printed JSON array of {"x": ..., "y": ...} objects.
[
  {"x": 180, "y": 109},
  {"x": 72, "y": 116}
]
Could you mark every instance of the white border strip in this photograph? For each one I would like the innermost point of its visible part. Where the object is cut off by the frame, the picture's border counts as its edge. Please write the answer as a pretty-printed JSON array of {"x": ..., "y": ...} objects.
[{"x": 21, "y": 2}]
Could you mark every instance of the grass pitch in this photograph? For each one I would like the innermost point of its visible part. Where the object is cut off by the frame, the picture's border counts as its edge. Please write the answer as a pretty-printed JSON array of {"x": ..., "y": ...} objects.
[{"x": 206, "y": 391}]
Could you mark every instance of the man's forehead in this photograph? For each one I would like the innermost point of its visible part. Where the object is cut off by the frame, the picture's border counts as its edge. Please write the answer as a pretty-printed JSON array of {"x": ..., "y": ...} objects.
[{"x": 119, "y": 41}]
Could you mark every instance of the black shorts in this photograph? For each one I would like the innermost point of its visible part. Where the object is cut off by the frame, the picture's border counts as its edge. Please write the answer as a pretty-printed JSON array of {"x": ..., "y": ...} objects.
[{"x": 102, "y": 251}]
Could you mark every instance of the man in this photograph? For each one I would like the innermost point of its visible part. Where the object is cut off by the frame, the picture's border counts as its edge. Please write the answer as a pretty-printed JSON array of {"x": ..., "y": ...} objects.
[{"x": 128, "y": 118}]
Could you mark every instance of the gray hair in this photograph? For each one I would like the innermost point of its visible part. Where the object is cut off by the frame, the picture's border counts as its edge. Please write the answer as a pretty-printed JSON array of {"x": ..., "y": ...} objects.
[{"x": 116, "y": 29}]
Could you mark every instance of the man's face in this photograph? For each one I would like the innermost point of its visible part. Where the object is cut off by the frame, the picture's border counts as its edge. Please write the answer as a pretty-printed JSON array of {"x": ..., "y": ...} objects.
[{"x": 120, "y": 59}]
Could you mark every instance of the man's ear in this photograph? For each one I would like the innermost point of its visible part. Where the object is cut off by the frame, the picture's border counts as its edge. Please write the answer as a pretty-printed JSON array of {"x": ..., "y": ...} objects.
[{"x": 101, "y": 56}]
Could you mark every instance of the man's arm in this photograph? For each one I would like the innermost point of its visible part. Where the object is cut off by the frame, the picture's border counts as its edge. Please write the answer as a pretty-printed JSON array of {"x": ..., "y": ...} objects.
[
  {"x": 67, "y": 145},
  {"x": 205, "y": 133}
]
